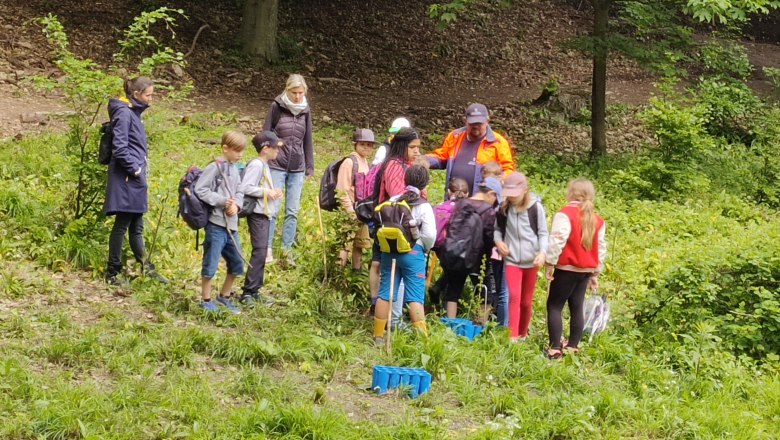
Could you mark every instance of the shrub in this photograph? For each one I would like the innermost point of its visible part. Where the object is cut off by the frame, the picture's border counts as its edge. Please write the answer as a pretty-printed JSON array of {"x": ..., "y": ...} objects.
[
  {"x": 725, "y": 59},
  {"x": 732, "y": 286}
]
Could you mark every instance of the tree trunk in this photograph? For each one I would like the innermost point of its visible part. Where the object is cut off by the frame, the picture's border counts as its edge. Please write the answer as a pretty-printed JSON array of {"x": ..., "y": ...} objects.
[
  {"x": 259, "y": 28},
  {"x": 598, "y": 120}
]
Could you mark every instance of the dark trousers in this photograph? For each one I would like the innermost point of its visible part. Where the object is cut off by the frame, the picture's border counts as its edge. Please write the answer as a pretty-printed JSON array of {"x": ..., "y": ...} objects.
[
  {"x": 123, "y": 222},
  {"x": 568, "y": 287},
  {"x": 258, "y": 233}
]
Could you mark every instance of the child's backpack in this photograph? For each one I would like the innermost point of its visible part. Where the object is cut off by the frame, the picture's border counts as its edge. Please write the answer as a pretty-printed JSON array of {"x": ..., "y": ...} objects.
[
  {"x": 533, "y": 218},
  {"x": 106, "y": 144},
  {"x": 464, "y": 246},
  {"x": 192, "y": 210},
  {"x": 394, "y": 233},
  {"x": 443, "y": 214},
  {"x": 367, "y": 192},
  {"x": 251, "y": 202},
  {"x": 328, "y": 198}
]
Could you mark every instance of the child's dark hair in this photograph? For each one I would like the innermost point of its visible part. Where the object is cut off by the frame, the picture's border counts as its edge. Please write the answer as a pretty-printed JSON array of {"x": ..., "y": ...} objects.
[
  {"x": 417, "y": 176},
  {"x": 137, "y": 84},
  {"x": 458, "y": 187}
]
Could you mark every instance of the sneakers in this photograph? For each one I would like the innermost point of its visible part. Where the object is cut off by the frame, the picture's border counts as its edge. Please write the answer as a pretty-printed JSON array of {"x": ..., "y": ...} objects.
[
  {"x": 117, "y": 281},
  {"x": 152, "y": 274},
  {"x": 379, "y": 341},
  {"x": 210, "y": 307},
  {"x": 289, "y": 261},
  {"x": 228, "y": 304},
  {"x": 249, "y": 299},
  {"x": 269, "y": 257}
]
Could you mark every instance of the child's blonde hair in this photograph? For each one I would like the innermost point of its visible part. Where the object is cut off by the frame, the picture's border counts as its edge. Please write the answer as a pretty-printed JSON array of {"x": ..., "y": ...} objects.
[
  {"x": 582, "y": 190},
  {"x": 234, "y": 140},
  {"x": 492, "y": 169},
  {"x": 296, "y": 80}
]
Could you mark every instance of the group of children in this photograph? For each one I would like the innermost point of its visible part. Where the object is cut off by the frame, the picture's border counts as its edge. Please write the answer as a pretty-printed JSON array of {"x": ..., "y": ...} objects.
[
  {"x": 228, "y": 191},
  {"x": 511, "y": 237}
]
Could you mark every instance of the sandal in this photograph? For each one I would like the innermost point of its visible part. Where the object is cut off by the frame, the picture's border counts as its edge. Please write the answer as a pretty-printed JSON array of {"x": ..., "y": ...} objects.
[
  {"x": 553, "y": 353},
  {"x": 569, "y": 349}
]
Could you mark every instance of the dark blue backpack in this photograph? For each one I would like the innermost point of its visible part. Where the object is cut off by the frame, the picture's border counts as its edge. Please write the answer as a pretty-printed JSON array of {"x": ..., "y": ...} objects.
[{"x": 192, "y": 210}]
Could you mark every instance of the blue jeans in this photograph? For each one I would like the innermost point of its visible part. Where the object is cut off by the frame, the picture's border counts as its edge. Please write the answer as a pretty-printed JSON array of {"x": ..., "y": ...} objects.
[
  {"x": 409, "y": 267},
  {"x": 292, "y": 185},
  {"x": 216, "y": 244}
]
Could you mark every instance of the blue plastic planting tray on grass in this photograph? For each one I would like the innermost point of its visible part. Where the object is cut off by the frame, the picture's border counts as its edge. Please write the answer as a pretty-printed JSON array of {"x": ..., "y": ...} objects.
[
  {"x": 463, "y": 327},
  {"x": 387, "y": 378}
]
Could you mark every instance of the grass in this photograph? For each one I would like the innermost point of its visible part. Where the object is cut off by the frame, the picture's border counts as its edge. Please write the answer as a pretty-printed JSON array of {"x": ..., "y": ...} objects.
[{"x": 80, "y": 361}]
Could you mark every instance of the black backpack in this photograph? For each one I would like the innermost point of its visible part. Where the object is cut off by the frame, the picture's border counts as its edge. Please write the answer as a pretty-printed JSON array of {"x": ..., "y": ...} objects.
[
  {"x": 106, "y": 144},
  {"x": 533, "y": 219},
  {"x": 395, "y": 233},
  {"x": 328, "y": 198},
  {"x": 464, "y": 246}
]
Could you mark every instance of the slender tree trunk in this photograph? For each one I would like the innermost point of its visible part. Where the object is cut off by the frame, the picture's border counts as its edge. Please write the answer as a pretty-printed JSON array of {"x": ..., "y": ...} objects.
[
  {"x": 259, "y": 29},
  {"x": 598, "y": 121}
]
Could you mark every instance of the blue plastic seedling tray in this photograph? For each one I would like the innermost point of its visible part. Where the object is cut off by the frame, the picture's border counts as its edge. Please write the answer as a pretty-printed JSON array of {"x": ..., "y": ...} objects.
[
  {"x": 387, "y": 378},
  {"x": 463, "y": 327}
]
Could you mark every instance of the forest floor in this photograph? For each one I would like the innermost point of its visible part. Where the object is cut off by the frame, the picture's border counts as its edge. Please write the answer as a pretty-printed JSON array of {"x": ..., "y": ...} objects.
[{"x": 362, "y": 69}]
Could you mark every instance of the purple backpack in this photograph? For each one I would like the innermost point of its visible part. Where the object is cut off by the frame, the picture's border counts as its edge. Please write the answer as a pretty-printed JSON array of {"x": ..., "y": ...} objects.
[
  {"x": 443, "y": 213},
  {"x": 367, "y": 192}
]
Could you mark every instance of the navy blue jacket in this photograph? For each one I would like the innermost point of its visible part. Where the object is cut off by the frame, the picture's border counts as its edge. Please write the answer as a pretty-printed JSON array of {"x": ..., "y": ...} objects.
[{"x": 126, "y": 191}]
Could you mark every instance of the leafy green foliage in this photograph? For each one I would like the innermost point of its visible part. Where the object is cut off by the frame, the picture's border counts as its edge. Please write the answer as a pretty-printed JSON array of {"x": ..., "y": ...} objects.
[
  {"x": 725, "y": 59},
  {"x": 726, "y": 11}
]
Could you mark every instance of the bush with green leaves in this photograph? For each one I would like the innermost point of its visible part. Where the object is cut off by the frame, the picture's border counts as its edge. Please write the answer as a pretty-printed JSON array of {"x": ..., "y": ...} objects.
[
  {"x": 724, "y": 58},
  {"x": 732, "y": 285}
]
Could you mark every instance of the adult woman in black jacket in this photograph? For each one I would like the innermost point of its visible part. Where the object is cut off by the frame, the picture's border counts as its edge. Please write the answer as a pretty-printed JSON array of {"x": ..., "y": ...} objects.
[
  {"x": 290, "y": 118},
  {"x": 127, "y": 189}
]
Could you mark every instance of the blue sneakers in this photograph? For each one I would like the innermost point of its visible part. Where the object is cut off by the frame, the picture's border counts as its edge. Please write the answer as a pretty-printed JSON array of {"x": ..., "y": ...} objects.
[
  {"x": 228, "y": 304},
  {"x": 210, "y": 307}
]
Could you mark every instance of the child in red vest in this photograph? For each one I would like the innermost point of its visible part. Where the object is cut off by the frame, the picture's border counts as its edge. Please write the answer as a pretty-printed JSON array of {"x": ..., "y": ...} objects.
[{"x": 575, "y": 257}]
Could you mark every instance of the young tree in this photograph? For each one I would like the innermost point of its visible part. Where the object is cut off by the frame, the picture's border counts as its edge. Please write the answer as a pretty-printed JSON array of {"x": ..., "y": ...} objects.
[
  {"x": 603, "y": 40},
  {"x": 259, "y": 29}
]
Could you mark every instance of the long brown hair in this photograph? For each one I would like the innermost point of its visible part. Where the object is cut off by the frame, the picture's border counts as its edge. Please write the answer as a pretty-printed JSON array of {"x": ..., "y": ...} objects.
[{"x": 582, "y": 190}]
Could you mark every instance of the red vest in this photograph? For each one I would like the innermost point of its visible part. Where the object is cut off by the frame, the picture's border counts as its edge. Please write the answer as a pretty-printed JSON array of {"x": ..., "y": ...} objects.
[{"x": 574, "y": 254}]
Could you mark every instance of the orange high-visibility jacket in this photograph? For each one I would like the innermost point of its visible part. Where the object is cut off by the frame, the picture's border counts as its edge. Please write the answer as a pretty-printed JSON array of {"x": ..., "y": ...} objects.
[{"x": 493, "y": 147}]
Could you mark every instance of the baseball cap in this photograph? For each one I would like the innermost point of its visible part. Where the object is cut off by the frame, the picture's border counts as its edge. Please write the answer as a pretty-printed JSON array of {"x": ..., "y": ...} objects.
[
  {"x": 266, "y": 139},
  {"x": 476, "y": 114},
  {"x": 363, "y": 135},
  {"x": 398, "y": 124},
  {"x": 514, "y": 184},
  {"x": 492, "y": 184}
]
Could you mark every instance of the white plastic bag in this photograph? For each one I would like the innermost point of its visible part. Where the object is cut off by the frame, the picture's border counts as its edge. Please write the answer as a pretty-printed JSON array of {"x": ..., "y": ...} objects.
[{"x": 596, "y": 314}]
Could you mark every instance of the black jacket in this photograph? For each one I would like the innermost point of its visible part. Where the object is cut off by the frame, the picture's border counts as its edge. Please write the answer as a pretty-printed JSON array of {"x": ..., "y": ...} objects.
[{"x": 298, "y": 153}]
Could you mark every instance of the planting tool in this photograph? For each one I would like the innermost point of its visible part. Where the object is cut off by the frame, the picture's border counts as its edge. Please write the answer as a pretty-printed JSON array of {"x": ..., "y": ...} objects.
[{"x": 388, "y": 344}]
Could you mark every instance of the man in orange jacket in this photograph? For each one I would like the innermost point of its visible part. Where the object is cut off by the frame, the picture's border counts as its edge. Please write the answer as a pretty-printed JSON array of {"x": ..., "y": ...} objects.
[{"x": 466, "y": 149}]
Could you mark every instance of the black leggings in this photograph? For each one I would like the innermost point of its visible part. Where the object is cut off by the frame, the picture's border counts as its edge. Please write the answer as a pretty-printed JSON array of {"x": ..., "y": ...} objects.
[
  {"x": 566, "y": 286},
  {"x": 135, "y": 224}
]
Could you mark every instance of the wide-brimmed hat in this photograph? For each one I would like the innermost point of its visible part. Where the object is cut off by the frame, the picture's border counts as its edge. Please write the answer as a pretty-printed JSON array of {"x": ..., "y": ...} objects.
[{"x": 363, "y": 135}]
